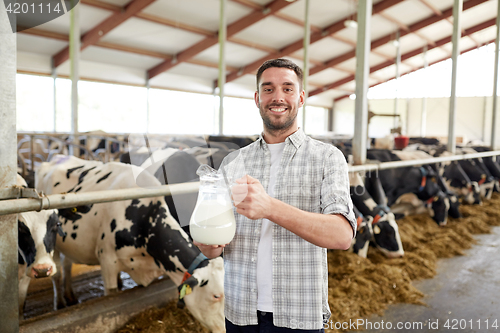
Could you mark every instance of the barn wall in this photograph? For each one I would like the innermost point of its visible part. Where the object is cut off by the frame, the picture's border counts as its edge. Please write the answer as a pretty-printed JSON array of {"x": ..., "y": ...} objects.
[{"x": 473, "y": 117}]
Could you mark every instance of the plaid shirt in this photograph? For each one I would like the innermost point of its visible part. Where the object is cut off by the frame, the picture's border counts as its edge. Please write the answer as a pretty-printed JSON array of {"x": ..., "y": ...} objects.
[{"x": 312, "y": 176}]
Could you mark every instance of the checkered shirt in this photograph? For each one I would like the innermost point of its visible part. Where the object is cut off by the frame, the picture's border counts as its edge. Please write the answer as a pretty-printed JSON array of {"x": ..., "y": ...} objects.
[{"x": 312, "y": 176}]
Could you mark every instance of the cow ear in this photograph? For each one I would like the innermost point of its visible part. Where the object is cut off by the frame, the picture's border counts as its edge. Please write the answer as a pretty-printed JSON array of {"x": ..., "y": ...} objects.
[{"x": 185, "y": 289}]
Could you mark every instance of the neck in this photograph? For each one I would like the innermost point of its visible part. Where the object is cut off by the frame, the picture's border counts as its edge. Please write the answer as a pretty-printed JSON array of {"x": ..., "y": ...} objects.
[{"x": 278, "y": 136}]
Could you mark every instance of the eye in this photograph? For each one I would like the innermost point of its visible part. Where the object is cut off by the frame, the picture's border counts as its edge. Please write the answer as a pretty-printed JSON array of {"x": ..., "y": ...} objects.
[{"x": 217, "y": 296}]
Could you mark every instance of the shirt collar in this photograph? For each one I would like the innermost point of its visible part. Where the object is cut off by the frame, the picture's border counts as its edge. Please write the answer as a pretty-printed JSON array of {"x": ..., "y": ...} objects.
[{"x": 296, "y": 138}]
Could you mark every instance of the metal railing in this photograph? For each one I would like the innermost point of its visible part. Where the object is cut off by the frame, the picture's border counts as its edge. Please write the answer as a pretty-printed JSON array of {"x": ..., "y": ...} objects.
[{"x": 12, "y": 206}]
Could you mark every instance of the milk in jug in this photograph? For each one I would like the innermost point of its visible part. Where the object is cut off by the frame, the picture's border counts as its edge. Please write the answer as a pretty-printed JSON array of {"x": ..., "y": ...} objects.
[{"x": 212, "y": 221}]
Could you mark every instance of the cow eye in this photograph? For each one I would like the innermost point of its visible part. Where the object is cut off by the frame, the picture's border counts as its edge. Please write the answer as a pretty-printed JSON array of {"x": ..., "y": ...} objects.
[{"x": 216, "y": 296}]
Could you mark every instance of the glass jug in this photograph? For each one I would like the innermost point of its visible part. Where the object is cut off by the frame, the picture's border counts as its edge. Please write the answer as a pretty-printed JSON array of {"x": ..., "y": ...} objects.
[{"x": 212, "y": 221}]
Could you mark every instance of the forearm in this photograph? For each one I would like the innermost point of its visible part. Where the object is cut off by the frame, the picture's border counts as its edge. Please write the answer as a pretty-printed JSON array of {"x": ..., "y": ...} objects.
[{"x": 331, "y": 231}]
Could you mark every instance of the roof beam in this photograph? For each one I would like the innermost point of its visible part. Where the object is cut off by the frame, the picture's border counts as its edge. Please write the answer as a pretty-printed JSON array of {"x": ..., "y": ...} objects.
[
  {"x": 298, "y": 45},
  {"x": 232, "y": 29},
  {"x": 406, "y": 56},
  {"x": 177, "y": 24},
  {"x": 123, "y": 48},
  {"x": 93, "y": 36},
  {"x": 383, "y": 40},
  {"x": 256, "y": 6}
]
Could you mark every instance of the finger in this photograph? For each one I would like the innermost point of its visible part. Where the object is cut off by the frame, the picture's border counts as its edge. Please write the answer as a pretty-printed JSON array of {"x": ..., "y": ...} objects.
[
  {"x": 242, "y": 180},
  {"x": 251, "y": 180}
]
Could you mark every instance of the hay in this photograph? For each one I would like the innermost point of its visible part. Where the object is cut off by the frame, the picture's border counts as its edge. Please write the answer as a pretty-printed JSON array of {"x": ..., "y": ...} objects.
[
  {"x": 169, "y": 319},
  {"x": 359, "y": 287}
]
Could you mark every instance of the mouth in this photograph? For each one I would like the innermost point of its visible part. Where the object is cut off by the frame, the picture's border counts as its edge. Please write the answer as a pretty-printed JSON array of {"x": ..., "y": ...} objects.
[{"x": 278, "y": 109}]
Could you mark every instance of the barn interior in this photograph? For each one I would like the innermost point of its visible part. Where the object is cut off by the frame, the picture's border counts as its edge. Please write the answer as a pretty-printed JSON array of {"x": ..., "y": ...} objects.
[{"x": 379, "y": 74}]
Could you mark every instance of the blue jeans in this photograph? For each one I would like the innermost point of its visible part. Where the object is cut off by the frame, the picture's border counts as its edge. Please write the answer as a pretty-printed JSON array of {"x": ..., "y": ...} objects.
[{"x": 265, "y": 326}]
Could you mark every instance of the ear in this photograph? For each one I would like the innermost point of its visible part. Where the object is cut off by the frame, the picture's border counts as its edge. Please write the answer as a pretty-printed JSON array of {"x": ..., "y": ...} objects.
[
  {"x": 256, "y": 98},
  {"x": 185, "y": 289},
  {"x": 302, "y": 98}
]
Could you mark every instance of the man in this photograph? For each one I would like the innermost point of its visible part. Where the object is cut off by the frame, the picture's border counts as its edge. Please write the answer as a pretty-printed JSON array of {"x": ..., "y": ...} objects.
[{"x": 276, "y": 272}]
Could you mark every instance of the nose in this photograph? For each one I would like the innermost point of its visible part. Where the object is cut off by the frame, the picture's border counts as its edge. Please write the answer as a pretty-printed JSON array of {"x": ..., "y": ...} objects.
[
  {"x": 41, "y": 271},
  {"x": 278, "y": 96}
]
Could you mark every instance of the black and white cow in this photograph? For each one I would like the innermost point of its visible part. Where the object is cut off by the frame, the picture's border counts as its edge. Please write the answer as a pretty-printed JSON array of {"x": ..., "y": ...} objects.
[
  {"x": 456, "y": 178},
  {"x": 385, "y": 229},
  {"x": 478, "y": 171},
  {"x": 36, "y": 242},
  {"x": 137, "y": 236},
  {"x": 433, "y": 174},
  {"x": 416, "y": 180},
  {"x": 364, "y": 234}
]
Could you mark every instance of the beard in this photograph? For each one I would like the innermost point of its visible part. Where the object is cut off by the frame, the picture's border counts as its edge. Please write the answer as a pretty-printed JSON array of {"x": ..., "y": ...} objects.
[{"x": 278, "y": 126}]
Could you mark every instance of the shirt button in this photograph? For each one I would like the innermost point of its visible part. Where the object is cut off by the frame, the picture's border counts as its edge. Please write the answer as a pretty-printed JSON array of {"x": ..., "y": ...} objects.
[
  {"x": 253, "y": 290},
  {"x": 253, "y": 259}
]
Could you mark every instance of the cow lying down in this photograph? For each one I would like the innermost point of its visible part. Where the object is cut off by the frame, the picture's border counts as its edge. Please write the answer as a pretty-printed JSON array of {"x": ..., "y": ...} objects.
[
  {"x": 36, "y": 241},
  {"x": 138, "y": 236}
]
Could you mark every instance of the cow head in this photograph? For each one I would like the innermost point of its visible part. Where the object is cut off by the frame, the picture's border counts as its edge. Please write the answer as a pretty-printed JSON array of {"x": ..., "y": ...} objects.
[
  {"x": 438, "y": 207},
  {"x": 203, "y": 294},
  {"x": 386, "y": 235},
  {"x": 36, "y": 242},
  {"x": 454, "y": 205},
  {"x": 363, "y": 237}
]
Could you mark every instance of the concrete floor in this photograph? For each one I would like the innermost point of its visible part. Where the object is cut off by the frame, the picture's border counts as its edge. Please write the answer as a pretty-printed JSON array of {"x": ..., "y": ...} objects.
[{"x": 465, "y": 294}]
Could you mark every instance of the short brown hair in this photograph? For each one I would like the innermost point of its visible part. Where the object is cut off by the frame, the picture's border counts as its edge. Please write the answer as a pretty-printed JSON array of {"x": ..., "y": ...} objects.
[{"x": 280, "y": 63}]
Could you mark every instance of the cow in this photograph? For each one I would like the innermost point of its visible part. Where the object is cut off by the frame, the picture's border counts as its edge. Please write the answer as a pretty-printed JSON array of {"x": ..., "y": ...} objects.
[
  {"x": 36, "y": 242},
  {"x": 464, "y": 178},
  {"x": 417, "y": 180},
  {"x": 385, "y": 229},
  {"x": 139, "y": 237},
  {"x": 433, "y": 173},
  {"x": 364, "y": 234},
  {"x": 173, "y": 166},
  {"x": 477, "y": 171}
]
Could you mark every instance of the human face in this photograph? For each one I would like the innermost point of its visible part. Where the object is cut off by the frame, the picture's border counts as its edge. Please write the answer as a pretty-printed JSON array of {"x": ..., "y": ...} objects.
[{"x": 279, "y": 98}]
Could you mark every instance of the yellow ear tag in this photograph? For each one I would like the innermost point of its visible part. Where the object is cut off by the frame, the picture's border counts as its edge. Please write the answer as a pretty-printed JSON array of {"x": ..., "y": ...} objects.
[
  {"x": 73, "y": 210},
  {"x": 185, "y": 290}
]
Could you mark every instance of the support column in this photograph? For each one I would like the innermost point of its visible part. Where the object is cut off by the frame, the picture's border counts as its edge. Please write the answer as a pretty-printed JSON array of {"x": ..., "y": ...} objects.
[
  {"x": 9, "y": 293},
  {"x": 423, "y": 121},
  {"x": 307, "y": 41},
  {"x": 148, "y": 87},
  {"x": 74, "y": 54},
  {"x": 362, "y": 71},
  {"x": 457, "y": 13},
  {"x": 54, "y": 97},
  {"x": 495, "y": 84},
  {"x": 222, "y": 63},
  {"x": 398, "y": 66}
]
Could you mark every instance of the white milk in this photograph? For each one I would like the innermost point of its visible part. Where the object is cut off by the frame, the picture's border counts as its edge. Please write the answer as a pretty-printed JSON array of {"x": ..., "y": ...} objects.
[{"x": 212, "y": 223}]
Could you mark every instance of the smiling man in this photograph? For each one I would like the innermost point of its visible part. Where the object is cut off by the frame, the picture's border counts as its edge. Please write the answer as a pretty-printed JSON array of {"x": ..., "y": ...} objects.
[{"x": 291, "y": 205}]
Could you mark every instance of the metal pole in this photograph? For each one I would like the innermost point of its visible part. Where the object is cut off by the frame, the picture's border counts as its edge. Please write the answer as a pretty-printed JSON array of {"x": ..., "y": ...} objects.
[
  {"x": 74, "y": 54},
  {"x": 457, "y": 13},
  {"x": 307, "y": 41},
  {"x": 398, "y": 65},
  {"x": 148, "y": 87},
  {"x": 222, "y": 63},
  {"x": 423, "y": 121},
  {"x": 9, "y": 293},
  {"x": 362, "y": 70},
  {"x": 495, "y": 83},
  {"x": 68, "y": 200},
  {"x": 54, "y": 77}
]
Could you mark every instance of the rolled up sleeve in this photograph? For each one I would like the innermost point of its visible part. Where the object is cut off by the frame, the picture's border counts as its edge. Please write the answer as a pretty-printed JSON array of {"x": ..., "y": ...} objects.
[{"x": 335, "y": 194}]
